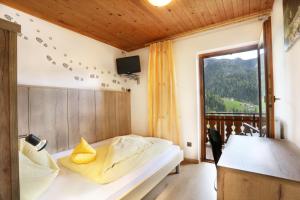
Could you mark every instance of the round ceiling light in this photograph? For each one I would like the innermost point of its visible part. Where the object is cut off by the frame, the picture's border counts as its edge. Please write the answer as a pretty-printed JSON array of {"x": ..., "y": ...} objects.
[{"x": 159, "y": 3}]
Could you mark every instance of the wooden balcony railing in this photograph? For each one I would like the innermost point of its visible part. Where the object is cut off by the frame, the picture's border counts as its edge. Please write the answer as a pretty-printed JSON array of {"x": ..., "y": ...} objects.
[{"x": 231, "y": 123}]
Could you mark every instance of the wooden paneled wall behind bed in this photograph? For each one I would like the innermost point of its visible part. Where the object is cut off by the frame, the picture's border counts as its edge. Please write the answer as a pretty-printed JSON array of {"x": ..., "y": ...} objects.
[{"x": 63, "y": 115}]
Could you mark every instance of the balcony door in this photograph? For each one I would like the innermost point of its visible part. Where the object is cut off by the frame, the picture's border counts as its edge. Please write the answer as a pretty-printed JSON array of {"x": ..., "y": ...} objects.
[
  {"x": 267, "y": 98},
  {"x": 236, "y": 92}
]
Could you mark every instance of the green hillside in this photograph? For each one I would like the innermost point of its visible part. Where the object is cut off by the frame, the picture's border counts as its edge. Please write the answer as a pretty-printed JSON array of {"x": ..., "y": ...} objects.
[
  {"x": 237, "y": 106},
  {"x": 231, "y": 85}
]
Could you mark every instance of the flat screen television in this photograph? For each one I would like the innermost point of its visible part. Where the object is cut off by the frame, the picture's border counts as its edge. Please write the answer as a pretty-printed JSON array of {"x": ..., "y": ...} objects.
[{"x": 128, "y": 65}]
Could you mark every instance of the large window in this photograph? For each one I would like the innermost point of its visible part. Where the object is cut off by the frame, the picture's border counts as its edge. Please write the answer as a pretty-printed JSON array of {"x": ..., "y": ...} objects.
[{"x": 231, "y": 83}]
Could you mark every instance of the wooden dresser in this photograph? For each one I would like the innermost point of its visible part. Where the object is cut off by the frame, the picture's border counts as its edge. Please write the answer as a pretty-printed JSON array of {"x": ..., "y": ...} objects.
[{"x": 253, "y": 168}]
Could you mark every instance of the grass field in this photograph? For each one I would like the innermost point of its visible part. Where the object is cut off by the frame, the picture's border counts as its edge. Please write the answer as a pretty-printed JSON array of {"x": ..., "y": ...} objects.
[{"x": 232, "y": 105}]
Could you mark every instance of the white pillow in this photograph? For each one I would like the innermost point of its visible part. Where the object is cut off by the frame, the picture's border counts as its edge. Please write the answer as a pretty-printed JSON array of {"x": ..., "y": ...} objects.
[{"x": 37, "y": 170}]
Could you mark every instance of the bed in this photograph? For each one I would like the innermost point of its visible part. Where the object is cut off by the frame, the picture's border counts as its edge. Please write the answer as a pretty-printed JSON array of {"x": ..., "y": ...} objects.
[
  {"x": 80, "y": 113},
  {"x": 135, "y": 185}
]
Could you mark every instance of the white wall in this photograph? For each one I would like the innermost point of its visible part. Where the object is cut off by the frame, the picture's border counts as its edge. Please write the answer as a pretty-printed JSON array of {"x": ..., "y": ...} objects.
[
  {"x": 43, "y": 48},
  {"x": 286, "y": 76},
  {"x": 139, "y": 93},
  {"x": 186, "y": 51}
]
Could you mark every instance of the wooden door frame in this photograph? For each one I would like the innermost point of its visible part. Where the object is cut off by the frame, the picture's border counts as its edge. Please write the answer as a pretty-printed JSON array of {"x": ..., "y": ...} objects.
[
  {"x": 202, "y": 90},
  {"x": 267, "y": 36}
]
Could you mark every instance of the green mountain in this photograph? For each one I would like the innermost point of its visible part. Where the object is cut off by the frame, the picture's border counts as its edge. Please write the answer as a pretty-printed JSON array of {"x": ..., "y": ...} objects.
[{"x": 230, "y": 79}]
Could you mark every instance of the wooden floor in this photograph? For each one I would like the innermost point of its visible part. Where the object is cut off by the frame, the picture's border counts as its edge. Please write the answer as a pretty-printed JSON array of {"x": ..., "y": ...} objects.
[{"x": 195, "y": 182}]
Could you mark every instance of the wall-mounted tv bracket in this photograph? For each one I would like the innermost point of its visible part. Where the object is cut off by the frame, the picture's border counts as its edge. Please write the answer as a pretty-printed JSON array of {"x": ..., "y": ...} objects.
[{"x": 135, "y": 77}]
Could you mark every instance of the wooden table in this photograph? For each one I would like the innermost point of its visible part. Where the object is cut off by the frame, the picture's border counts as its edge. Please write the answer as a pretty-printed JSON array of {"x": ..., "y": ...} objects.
[{"x": 254, "y": 168}]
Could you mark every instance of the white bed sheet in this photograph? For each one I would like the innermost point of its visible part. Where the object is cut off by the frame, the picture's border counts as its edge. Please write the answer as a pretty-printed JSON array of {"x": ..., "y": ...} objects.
[{"x": 72, "y": 186}]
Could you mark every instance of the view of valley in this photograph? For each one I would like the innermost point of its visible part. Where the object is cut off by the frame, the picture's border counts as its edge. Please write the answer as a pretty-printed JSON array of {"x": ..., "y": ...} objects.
[{"x": 231, "y": 84}]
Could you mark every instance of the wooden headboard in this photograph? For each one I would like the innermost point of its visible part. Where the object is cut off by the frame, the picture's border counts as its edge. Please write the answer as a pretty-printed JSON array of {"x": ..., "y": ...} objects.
[{"x": 63, "y": 115}]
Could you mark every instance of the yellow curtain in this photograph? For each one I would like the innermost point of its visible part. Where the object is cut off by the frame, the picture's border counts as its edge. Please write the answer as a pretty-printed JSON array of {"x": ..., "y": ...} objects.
[{"x": 162, "y": 108}]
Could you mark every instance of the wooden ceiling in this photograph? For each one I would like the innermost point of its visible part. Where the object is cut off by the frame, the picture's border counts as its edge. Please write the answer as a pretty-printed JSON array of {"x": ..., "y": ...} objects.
[{"x": 130, "y": 24}]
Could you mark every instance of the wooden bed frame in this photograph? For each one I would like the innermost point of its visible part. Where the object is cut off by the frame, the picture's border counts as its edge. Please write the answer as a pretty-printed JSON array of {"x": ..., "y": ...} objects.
[{"x": 63, "y": 115}]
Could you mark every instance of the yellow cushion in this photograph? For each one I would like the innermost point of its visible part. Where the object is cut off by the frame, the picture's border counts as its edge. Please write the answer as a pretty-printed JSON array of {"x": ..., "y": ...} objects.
[
  {"x": 83, "y": 153},
  {"x": 90, "y": 170}
]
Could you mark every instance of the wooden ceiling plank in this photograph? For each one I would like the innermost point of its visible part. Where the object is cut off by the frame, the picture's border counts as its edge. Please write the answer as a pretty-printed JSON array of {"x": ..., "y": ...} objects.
[
  {"x": 175, "y": 21},
  {"x": 110, "y": 16},
  {"x": 202, "y": 12},
  {"x": 190, "y": 10},
  {"x": 263, "y": 4},
  {"x": 137, "y": 19},
  {"x": 129, "y": 24},
  {"x": 183, "y": 10},
  {"x": 181, "y": 15},
  {"x": 160, "y": 16},
  {"x": 84, "y": 22},
  {"x": 219, "y": 25},
  {"x": 246, "y": 7},
  {"x": 270, "y": 4},
  {"x": 221, "y": 9},
  {"x": 235, "y": 7},
  {"x": 254, "y": 5},
  {"x": 240, "y": 7},
  {"x": 196, "y": 12},
  {"x": 143, "y": 22},
  {"x": 228, "y": 7},
  {"x": 212, "y": 8}
]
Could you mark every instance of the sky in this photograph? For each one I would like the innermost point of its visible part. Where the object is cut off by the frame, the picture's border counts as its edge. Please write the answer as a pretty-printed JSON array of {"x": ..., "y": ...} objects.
[{"x": 243, "y": 55}]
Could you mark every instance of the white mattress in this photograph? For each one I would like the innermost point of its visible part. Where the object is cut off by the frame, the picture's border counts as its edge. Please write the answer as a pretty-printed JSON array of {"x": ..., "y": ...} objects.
[{"x": 71, "y": 186}]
